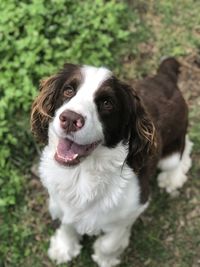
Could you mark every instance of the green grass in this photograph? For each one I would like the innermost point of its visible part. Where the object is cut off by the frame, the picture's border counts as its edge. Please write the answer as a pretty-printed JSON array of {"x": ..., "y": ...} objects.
[
  {"x": 173, "y": 28},
  {"x": 168, "y": 234}
]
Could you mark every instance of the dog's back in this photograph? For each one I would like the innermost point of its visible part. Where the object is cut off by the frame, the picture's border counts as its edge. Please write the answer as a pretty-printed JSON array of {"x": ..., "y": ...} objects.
[
  {"x": 168, "y": 110},
  {"x": 166, "y": 105}
]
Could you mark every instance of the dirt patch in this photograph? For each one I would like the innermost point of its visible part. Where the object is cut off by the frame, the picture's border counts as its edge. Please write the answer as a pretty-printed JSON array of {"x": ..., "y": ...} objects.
[{"x": 189, "y": 80}]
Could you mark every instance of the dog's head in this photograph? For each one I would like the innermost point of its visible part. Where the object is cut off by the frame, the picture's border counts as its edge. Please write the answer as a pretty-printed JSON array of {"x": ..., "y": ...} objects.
[{"x": 87, "y": 107}]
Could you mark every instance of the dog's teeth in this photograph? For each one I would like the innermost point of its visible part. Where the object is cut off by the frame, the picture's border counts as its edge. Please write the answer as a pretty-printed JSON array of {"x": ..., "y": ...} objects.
[{"x": 75, "y": 156}]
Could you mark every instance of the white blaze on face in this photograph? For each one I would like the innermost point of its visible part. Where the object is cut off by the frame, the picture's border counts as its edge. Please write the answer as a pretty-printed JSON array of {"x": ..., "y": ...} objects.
[{"x": 83, "y": 104}]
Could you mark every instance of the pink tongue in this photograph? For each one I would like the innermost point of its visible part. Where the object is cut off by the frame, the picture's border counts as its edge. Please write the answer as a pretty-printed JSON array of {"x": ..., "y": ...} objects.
[
  {"x": 68, "y": 150},
  {"x": 64, "y": 149},
  {"x": 63, "y": 146}
]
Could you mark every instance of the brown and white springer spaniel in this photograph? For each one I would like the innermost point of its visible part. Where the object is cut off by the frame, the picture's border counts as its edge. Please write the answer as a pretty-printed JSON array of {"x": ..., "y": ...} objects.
[{"x": 104, "y": 141}]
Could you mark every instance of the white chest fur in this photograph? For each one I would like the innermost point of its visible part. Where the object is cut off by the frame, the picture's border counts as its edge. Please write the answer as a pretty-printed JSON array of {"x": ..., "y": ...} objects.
[{"x": 94, "y": 195}]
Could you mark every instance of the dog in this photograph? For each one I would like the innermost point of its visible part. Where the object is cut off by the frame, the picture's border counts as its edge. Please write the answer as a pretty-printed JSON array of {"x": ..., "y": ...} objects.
[{"x": 104, "y": 140}]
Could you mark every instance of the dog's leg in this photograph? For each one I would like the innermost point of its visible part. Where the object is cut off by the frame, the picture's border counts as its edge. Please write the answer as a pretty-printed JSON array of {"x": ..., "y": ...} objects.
[
  {"x": 174, "y": 169},
  {"x": 64, "y": 245},
  {"x": 109, "y": 247}
]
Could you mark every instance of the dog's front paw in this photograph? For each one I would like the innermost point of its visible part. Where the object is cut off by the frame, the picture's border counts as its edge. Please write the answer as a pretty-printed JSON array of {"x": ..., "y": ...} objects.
[
  {"x": 105, "y": 255},
  {"x": 104, "y": 261},
  {"x": 62, "y": 250}
]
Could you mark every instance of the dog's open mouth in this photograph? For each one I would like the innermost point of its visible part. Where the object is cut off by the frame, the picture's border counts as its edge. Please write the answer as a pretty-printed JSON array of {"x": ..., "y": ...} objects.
[{"x": 70, "y": 153}]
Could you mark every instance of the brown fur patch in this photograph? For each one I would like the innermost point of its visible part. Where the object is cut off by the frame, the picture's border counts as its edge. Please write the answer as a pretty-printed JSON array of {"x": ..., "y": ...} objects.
[{"x": 50, "y": 98}]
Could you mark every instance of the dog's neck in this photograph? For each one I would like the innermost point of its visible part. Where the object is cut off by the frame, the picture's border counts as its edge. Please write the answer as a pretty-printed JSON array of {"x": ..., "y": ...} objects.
[{"x": 101, "y": 176}]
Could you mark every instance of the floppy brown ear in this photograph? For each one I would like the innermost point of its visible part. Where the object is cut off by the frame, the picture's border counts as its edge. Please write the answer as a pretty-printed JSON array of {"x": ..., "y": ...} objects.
[
  {"x": 142, "y": 136},
  {"x": 43, "y": 109}
]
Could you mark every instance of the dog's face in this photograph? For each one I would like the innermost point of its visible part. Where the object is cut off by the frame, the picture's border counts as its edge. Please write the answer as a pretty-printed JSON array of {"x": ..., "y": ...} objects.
[{"x": 87, "y": 107}]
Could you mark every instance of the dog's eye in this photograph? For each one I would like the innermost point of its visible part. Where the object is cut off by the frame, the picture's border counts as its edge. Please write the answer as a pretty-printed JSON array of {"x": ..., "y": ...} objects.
[
  {"x": 107, "y": 105},
  {"x": 68, "y": 91}
]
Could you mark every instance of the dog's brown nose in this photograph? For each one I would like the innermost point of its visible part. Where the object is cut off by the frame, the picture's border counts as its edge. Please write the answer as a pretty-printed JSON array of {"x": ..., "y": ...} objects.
[{"x": 71, "y": 121}]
